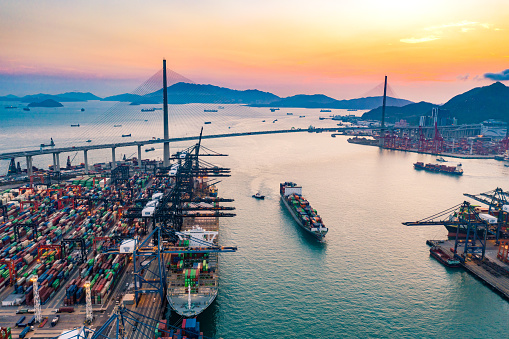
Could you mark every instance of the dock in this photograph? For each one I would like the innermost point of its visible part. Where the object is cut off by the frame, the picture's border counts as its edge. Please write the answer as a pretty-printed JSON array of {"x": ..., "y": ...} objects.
[{"x": 491, "y": 271}]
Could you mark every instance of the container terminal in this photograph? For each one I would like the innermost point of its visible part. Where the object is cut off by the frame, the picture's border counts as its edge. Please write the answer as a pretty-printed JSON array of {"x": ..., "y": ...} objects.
[
  {"x": 108, "y": 253},
  {"x": 478, "y": 238}
]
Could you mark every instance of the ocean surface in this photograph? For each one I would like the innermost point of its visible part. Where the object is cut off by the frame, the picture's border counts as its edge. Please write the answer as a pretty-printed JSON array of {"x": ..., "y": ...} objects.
[{"x": 372, "y": 278}]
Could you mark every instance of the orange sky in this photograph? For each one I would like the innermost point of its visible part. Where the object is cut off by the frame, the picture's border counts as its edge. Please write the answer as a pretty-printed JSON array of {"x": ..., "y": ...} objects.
[{"x": 431, "y": 50}]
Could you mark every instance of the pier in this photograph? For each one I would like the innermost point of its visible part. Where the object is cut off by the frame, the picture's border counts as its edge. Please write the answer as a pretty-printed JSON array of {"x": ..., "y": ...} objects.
[{"x": 491, "y": 271}]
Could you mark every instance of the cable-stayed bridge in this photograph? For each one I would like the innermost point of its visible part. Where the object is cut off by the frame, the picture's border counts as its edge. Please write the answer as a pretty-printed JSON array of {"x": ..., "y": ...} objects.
[{"x": 137, "y": 119}]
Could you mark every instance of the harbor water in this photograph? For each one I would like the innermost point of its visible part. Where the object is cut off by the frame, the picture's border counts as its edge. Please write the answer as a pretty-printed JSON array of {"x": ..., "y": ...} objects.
[{"x": 373, "y": 277}]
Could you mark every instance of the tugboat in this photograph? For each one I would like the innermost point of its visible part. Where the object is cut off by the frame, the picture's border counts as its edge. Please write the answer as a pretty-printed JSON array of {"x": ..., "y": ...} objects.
[
  {"x": 441, "y": 159},
  {"x": 83, "y": 110},
  {"x": 258, "y": 196},
  {"x": 89, "y": 140}
]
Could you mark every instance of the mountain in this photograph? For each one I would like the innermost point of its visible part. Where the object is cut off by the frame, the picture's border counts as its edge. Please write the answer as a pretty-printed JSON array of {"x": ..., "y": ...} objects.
[
  {"x": 411, "y": 112},
  {"x": 322, "y": 101},
  {"x": 473, "y": 106},
  {"x": 126, "y": 97},
  {"x": 184, "y": 93},
  {"x": 64, "y": 97},
  {"x": 78, "y": 96},
  {"x": 481, "y": 103},
  {"x": 10, "y": 97},
  {"x": 46, "y": 103}
]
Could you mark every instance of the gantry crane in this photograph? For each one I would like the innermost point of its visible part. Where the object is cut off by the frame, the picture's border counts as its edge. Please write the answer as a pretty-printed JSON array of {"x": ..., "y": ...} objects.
[
  {"x": 498, "y": 202},
  {"x": 465, "y": 220}
]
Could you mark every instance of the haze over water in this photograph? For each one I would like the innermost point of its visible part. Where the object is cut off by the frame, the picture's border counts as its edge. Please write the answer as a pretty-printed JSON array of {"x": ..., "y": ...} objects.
[{"x": 372, "y": 278}]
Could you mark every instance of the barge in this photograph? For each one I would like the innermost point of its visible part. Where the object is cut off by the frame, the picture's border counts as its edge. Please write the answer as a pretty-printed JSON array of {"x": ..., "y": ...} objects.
[
  {"x": 305, "y": 216},
  {"x": 445, "y": 259}
]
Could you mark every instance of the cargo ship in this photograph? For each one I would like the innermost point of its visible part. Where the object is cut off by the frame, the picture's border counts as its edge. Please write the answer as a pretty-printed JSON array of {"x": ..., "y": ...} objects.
[
  {"x": 454, "y": 170},
  {"x": 193, "y": 278},
  {"x": 301, "y": 211},
  {"x": 444, "y": 258}
]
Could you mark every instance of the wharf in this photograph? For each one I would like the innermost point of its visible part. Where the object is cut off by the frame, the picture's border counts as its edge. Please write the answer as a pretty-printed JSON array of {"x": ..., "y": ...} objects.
[{"x": 491, "y": 271}]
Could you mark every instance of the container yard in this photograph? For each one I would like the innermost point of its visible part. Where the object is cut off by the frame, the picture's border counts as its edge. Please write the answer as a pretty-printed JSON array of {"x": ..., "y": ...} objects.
[{"x": 75, "y": 253}]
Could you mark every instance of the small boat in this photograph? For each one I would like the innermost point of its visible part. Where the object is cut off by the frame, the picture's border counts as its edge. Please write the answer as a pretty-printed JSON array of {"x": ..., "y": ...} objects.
[
  {"x": 302, "y": 116},
  {"x": 89, "y": 140},
  {"x": 126, "y": 135},
  {"x": 289, "y": 113},
  {"x": 441, "y": 159},
  {"x": 321, "y": 118},
  {"x": 150, "y": 149},
  {"x": 263, "y": 120},
  {"x": 117, "y": 125},
  {"x": 274, "y": 121},
  {"x": 148, "y": 109},
  {"x": 274, "y": 109},
  {"x": 83, "y": 110},
  {"x": 446, "y": 260},
  {"x": 11, "y": 107},
  {"x": 76, "y": 125},
  {"x": 207, "y": 122},
  {"x": 26, "y": 108},
  {"x": 325, "y": 111},
  {"x": 220, "y": 107},
  {"x": 258, "y": 196},
  {"x": 146, "y": 120},
  {"x": 210, "y": 110}
]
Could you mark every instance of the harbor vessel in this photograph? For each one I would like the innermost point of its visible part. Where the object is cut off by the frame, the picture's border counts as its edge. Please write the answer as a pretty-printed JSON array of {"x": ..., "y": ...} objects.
[
  {"x": 325, "y": 111},
  {"x": 193, "y": 277},
  {"x": 126, "y": 135},
  {"x": 305, "y": 216},
  {"x": 454, "y": 170},
  {"x": 148, "y": 109},
  {"x": 26, "y": 108},
  {"x": 150, "y": 149},
  {"x": 444, "y": 258},
  {"x": 258, "y": 196},
  {"x": 75, "y": 125},
  {"x": 210, "y": 110}
]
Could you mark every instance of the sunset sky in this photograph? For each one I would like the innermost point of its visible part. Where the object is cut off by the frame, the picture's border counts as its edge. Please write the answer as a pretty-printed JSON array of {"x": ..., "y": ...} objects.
[{"x": 430, "y": 50}]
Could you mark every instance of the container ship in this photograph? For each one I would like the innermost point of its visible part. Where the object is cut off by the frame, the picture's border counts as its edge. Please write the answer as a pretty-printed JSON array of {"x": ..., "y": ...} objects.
[
  {"x": 301, "y": 211},
  {"x": 193, "y": 277},
  {"x": 454, "y": 170}
]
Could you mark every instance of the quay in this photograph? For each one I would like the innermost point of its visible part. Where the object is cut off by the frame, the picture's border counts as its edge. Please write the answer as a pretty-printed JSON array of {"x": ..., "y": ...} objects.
[{"x": 491, "y": 270}]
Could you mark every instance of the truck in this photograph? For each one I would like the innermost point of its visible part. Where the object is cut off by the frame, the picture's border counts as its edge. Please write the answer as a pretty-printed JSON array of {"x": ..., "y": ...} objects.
[
  {"x": 54, "y": 321},
  {"x": 19, "y": 323},
  {"x": 25, "y": 331},
  {"x": 65, "y": 310}
]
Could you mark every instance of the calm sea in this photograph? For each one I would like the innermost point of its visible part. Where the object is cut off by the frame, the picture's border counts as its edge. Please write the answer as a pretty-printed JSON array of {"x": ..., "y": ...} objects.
[{"x": 372, "y": 278}]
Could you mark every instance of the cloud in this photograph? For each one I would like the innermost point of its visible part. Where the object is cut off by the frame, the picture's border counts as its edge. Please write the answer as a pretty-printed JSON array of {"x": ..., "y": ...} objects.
[
  {"x": 419, "y": 40},
  {"x": 440, "y": 30},
  {"x": 463, "y": 77},
  {"x": 501, "y": 76}
]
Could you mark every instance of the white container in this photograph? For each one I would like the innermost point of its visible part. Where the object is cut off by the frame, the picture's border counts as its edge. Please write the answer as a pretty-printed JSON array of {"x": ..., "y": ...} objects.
[
  {"x": 148, "y": 212},
  {"x": 488, "y": 218}
]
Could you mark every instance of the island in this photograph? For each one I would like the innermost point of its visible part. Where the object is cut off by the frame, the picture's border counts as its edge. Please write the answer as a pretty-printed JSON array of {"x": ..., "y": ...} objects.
[{"x": 46, "y": 103}]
